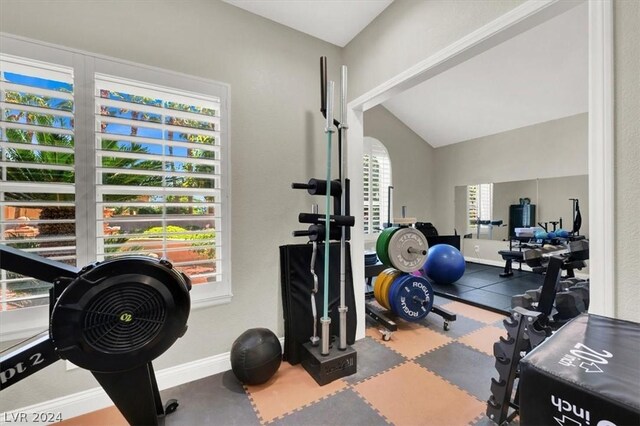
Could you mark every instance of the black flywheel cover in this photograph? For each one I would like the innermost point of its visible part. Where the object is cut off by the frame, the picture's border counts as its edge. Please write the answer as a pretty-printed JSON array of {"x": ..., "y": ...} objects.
[{"x": 120, "y": 313}]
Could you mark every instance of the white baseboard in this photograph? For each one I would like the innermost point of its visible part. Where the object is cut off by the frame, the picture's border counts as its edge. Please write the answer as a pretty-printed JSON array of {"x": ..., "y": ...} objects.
[
  {"x": 95, "y": 399},
  {"x": 484, "y": 261}
]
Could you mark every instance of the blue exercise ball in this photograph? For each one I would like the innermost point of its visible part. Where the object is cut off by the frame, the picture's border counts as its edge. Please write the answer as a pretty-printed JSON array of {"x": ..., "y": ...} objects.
[
  {"x": 540, "y": 235},
  {"x": 551, "y": 235},
  {"x": 444, "y": 264},
  {"x": 562, "y": 233}
]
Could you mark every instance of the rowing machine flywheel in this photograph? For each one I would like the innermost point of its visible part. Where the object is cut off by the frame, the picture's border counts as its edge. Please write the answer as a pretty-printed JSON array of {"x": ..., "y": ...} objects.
[{"x": 120, "y": 314}]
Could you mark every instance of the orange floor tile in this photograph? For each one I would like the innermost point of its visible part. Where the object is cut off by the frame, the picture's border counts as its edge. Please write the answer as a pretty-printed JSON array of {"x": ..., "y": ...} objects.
[
  {"x": 290, "y": 389},
  {"x": 411, "y": 340},
  {"x": 109, "y": 416},
  {"x": 472, "y": 312},
  {"x": 412, "y": 395},
  {"x": 484, "y": 338}
]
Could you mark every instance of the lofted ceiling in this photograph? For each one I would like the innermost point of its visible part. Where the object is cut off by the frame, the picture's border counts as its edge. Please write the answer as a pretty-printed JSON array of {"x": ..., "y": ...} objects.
[
  {"x": 537, "y": 76},
  {"x": 334, "y": 21}
]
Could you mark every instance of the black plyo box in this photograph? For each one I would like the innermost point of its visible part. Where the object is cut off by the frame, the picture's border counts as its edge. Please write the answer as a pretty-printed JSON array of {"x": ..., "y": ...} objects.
[
  {"x": 586, "y": 374},
  {"x": 326, "y": 368}
]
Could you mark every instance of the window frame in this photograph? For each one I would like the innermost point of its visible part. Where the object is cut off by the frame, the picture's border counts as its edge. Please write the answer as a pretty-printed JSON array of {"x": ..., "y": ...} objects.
[
  {"x": 476, "y": 228},
  {"x": 368, "y": 149},
  {"x": 24, "y": 322}
]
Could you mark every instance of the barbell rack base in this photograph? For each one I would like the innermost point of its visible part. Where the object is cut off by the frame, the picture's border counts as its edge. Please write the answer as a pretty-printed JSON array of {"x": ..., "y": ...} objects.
[{"x": 382, "y": 316}]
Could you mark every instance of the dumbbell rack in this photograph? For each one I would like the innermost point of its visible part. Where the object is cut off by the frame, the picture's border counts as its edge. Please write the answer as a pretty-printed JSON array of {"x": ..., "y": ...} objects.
[{"x": 524, "y": 332}]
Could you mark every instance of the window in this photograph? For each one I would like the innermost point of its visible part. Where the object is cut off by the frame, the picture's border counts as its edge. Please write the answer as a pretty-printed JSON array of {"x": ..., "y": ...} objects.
[
  {"x": 377, "y": 179},
  {"x": 150, "y": 176},
  {"x": 37, "y": 193},
  {"x": 479, "y": 206},
  {"x": 158, "y": 175}
]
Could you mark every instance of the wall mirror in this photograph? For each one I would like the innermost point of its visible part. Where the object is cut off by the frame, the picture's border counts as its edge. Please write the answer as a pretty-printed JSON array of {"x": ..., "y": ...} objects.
[{"x": 482, "y": 210}]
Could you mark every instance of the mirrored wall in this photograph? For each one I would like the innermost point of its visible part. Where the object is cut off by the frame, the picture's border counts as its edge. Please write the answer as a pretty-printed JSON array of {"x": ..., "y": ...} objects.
[{"x": 482, "y": 209}]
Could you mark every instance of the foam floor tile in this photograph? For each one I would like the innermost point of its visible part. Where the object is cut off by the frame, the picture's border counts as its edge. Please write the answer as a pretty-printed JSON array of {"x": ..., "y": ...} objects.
[
  {"x": 484, "y": 338},
  {"x": 373, "y": 358},
  {"x": 290, "y": 389},
  {"x": 107, "y": 416},
  {"x": 411, "y": 395},
  {"x": 217, "y": 399},
  {"x": 463, "y": 366},
  {"x": 472, "y": 312},
  {"x": 460, "y": 327},
  {"x": 411, "y": 340},
  {"x": 343, "y": 408}
]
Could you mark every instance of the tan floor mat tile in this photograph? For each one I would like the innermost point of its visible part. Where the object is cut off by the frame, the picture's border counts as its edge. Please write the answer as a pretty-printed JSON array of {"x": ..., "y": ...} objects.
[
  {"x": 411, "y": 395},
  {"x": 289, "y": 389},
  {"x": 484, "y": 338},
  {"x": 411, "y": 340},
  {"x": 472, "y": 312}
]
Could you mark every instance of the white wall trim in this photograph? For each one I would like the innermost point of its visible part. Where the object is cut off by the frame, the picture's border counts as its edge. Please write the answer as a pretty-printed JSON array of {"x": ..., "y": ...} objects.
[
  {"x": 518, "y": 20},
  {"x": 95, "y": 399},
  {"x": 601, "y": 159}
]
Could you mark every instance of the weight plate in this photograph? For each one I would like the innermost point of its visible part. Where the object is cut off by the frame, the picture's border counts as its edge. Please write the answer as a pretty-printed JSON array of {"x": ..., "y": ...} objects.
[
  {"x": 376, "y": 286},
  {"x": 407, "y": 249},
  {"x": 380, "y": 283},
  {"x": 382, "y": 245},
  {"x": 384, "y": 290},
  {"x": 411, "y": 298},
  {"x": 392, "y": 289}
]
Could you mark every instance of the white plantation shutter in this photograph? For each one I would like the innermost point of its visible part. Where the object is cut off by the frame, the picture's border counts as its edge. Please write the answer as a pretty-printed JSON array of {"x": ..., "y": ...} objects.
[
  {"x": 479, "y": 205},
  {"x": 158, "y": 175},
  {"x": 377, "y": 178},
  {"x": 101, "y": 158},
  {"x": 37, "y": 173}
]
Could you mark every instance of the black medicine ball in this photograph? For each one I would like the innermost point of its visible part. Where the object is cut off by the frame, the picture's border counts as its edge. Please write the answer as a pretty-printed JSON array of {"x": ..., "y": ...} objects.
[{"x": 256, "y": 356}]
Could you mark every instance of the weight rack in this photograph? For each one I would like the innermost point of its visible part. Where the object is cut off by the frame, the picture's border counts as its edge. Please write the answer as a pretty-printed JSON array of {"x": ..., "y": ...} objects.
[{"x": 385, "y": 318}]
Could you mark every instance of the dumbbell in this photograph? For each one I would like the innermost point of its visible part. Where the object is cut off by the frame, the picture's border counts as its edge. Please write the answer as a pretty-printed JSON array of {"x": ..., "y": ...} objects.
[
  {"x": 563, "y": 285},
  {"x": 583, "y": 292},
  {"x": 522, "y": 300},
  {"x": 535, "y": 294},
  {"x": 569, "y": 305}
]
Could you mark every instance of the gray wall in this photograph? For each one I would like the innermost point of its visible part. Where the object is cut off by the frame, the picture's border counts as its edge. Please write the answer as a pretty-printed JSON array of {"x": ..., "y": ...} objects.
[
  {"x": 411, "y": 163},
  {"x": 627, "y": 157},
  {"x": 276, "y": 138},
  {"x": 552, "y": 149}
]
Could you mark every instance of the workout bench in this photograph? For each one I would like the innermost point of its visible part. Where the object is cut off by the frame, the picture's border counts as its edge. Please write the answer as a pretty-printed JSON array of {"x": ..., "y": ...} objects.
[{"x": 509, "y": 256}]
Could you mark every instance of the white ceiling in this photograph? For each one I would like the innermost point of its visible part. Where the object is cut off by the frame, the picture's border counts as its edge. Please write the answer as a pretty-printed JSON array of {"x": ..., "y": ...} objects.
[
  {"x": 538, "y": 76},
  {"x": 334, "y": 21}
]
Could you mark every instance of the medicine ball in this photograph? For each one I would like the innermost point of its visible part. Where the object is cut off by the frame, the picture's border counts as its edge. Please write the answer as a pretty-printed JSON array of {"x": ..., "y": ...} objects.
[{"x": 256, "y": 356}]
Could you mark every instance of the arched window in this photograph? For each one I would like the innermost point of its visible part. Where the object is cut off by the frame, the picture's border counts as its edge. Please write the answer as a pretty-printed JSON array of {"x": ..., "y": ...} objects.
[{"x": 377, "y": 179}]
